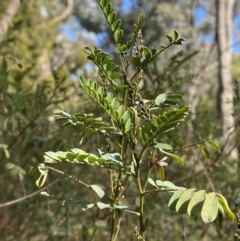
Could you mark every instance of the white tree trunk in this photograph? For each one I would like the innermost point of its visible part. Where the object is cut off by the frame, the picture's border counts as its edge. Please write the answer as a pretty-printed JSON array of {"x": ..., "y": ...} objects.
[
  {"x": 7, "y": 17},
  {"x": 224, "y": 25}
]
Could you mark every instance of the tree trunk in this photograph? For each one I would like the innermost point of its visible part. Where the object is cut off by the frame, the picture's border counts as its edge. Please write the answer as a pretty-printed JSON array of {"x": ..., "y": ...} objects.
[
  {"x": 7, "y": 17},
  {"x": 224, "y": 25}
]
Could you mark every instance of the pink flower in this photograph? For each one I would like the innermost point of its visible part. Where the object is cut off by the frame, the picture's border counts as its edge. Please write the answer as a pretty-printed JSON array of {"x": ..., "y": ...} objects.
[{"x": 162, "y": 162}]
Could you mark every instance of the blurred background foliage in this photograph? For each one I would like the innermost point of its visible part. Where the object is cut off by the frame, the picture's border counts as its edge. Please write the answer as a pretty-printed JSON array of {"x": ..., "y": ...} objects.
[{"x": 41, "y": 56}]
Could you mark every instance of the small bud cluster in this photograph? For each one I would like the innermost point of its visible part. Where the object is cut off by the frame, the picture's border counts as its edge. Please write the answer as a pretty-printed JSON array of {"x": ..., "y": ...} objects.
[{"x": 137, "y": 234}]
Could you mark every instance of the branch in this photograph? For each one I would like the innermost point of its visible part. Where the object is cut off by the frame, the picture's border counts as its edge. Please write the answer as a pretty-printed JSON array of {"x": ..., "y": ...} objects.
[
  {"x": 2, "y": 205},
  {"x": 7, "y": 17},
  {"x": 65, "y": 13},
  {"x": 198, "y": 172},
  {"x": 211, "y": 164},
  {"x": 70, "y": 176}
]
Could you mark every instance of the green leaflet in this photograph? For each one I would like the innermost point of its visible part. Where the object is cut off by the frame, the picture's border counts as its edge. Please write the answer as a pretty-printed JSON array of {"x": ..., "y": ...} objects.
[
  {"x": 215, "y": 145},
  {"x": 86, "y": 205},
  {"x": 147, "y": 52},
  {"x": 169, "y": 38},
  {"x": 160, "y": 99},
  {"x": 41, "y": 180},
  {"x": 166, "y": 185},
  {"x": 196, "y": 203},
  {"x": 43, "y": 169},
  {"x": 114, "y": 157},
  {"x": 45, "y": 194},
  {"x": 175, "y": 197},
  {"x": 124, "y": 117},
  {"x": 204, "y": 151},
  {"x": 5, "y": 149},
  {"x": 177, "y": 158},
  {"x": 111, "y": 17},
  {"x": 163, "y": 146},
  {"x": 128, "y": 125},
  {"x": 161, "y": 173},
  {"x": 115, "y": 25},
  {"x": 142, "y": 135},
  {"x": 163, "y": 185},
  {"x": 118, "y": 35},
  {"x": 182, "y": 203},
  {"x": 98, "y": 190},
  {"x": 175, "y": 35},
  {"x": 102, "y": 205},
  {"x": 150, "y": 180},
  {"x": 210, "y": 208},
  {"x": 223, "y": 202}
]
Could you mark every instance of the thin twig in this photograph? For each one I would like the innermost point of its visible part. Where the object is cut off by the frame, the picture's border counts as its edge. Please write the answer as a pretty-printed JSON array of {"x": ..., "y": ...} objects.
[
  {"x": 70, "y": 176},
  {"x": 209, "y": 165},
  {"x": 118, "y": 228},
  {"x": 206, "y": 172},
  {"x": 75, "y": 179},
  {"x": 2, "y": 205},
  {"x": 192, "y": 145},
  {"x": 183, "y": 229},
  {"x": 160, "y": 190}
]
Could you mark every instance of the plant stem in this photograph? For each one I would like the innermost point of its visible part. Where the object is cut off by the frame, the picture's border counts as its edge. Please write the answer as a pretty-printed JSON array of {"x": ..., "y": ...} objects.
[
  {"x": 118, "y": 228},
  {"x": 160, "y": 190},
  {"x": 141, "y": 208},
  {"x": 113, "y": 200},
  {"x": 142, "y": 226},
  {"x": 116, "y": 187},
  {"x": 112, "y": 224}
]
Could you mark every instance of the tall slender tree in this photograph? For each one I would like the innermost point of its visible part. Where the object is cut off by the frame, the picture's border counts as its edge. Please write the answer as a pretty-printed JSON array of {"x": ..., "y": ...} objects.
[{"x": 224, "y": 26}]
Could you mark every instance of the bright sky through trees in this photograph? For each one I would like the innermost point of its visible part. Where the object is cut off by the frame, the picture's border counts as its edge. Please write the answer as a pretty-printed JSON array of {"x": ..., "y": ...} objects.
[{"x": 73, "y": 30}]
